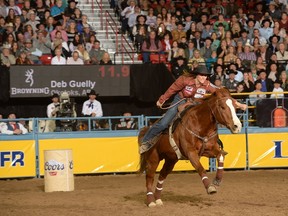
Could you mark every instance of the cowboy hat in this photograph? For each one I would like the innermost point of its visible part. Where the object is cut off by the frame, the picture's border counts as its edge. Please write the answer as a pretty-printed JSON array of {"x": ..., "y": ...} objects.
[
  {"x": 218, "y": 65},
  {"x": 92, "y": 92},
  {"x": 266, "y": 20},
  {"x": 70, "y": 1},
  {"x": 251, "y": 20},
  {"x": 263, "y": 43},
  {"x": 271, "y": 37},
  {"x": 28, "y": 41},
  {"x": 278, "y": 81},
  {"x": 202, "y": 70},
  {"x": 141, "y": 15},
  {"x": 260, "y": 71},
  {"x": 9, "y": 25},
  {"x": 6, "y": 46},
  {"x": 249, "y": 45},
  {"x": 273, "y": 3},
  {"x": 231, "y": 72}
]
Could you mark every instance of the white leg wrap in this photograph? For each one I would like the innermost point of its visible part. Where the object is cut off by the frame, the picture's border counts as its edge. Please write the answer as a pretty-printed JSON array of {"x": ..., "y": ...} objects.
[
  {"x": 160, "y": 189},
  {"x": 149, "y": 193},
  {"x": 220, "y": 167},
  {"x": 205, "y": 177},
  {"x": 221, "y": 159},
  {"x": 160, "y": 182}
]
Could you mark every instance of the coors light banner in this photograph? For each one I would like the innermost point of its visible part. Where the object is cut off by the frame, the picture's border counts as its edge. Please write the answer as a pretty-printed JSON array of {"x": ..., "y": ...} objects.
[{"x": 43, "y": 81}]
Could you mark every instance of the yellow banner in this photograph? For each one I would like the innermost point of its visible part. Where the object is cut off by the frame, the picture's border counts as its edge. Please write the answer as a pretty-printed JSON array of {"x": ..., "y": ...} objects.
[
  {"x": 103, "y": 155},
  {"x": 268, "y": 150},
  {"x": 17, "y": 159},
  {"x": 235, "y": 145}
]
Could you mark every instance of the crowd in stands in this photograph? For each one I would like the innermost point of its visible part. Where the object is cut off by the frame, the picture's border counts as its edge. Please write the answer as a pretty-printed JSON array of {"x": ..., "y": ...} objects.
[
  {"x": 244, "y": 44},
  {"x": 47, "y": 32}
]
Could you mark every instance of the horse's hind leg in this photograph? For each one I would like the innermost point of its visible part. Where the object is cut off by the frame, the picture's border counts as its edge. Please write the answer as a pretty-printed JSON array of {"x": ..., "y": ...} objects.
[
  {"x": 220, "y": 168},
  {"x": 152, "y": 164},
  {"x": 166, "y": 169}
]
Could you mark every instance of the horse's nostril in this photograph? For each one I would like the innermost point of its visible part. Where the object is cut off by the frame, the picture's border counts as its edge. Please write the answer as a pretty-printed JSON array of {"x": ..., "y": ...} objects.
[{"x": 235, "y": 126}]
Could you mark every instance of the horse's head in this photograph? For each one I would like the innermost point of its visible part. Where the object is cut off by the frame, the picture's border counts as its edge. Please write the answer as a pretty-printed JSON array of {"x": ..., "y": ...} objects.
[{"x": 224, "y": 110}]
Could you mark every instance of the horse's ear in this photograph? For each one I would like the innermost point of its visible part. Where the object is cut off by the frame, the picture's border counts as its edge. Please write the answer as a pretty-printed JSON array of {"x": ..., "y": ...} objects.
[{"x": 222, "y": 92}]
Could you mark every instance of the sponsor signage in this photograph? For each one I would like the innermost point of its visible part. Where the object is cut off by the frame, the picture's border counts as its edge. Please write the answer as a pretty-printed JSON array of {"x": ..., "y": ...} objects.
[
  {"x": 17, "y": 159},
  {"x": 41, "y": 81},
  {"x": 268, "y": 150}
]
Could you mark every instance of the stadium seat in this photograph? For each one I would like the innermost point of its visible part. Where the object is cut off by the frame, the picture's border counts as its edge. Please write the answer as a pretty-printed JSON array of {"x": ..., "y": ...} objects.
[{"x": 46, "y": 59}]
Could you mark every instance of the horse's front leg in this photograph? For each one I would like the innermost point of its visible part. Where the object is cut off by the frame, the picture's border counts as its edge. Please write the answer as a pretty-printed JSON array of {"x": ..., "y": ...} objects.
[
  {"x": 195, "y": 161},
  {"x": 220, "y": 168},
  {"x": 166, "y": 169}
]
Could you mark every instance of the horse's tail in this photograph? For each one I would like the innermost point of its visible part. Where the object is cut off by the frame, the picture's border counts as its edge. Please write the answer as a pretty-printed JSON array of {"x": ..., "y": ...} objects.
[{"x": 142, "y": 162}]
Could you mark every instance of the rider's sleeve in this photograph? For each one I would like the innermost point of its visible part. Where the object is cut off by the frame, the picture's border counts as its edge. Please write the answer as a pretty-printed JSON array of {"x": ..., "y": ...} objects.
[{"x": 176, "y": 87}]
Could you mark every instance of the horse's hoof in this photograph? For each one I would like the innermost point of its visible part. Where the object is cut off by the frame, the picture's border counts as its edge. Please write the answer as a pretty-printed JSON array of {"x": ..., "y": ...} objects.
[
  {"x": 152, "y": 204},
  {"x": 159, "y": 202},
  {"x": 216, "y": 182},
  {"x": 211, "y": 189}
]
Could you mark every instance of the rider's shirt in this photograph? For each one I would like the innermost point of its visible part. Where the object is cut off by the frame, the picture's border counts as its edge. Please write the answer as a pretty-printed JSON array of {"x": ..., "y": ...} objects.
[{"x": 186, "y": 87}]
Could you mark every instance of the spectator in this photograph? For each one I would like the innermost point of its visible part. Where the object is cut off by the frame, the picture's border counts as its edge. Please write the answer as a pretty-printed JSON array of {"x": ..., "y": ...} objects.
[
  {"x": 230, "y": 57},
  {"x": 127, "y": 123},
  {"x": 273, "y": 10},
  {"x": 15, "y": 50},
  {"x": 266, "y": 31},
  {"x": 189, "y": 50},
  {"x": 248, "y": 85},
  {"x": 198, "y": 41},
  {"x": 23, "y": 59},
  {"x": 196, "y": 57},
  {"x": 222, "y": 21},
  {"x": 58, "y": 28},
  {"x": 87, "y": 33},
  {"x": 178, "y": 33},
  {"x": 206, "y": 50},
  {"x": 83, "y": 54},
  {"x": 191, "y": 31},
  {"x": 58, "y": 59},
  {"x": 134, "y": 19},
  {"x": 40, "y": 10},
  {"x": 207, "y": 31},
  {"x": 7, "y": 58},
  {"x": 11, "y": 16},
  {"x": 282, "y": 54},
  {"x": 264, "y": 53},
  {"x": 42, "y": 43},
  {"x": 71, "y": 31},
  {"x": 180, "y": 67},
  {"x": 284, "y": 80},
  {"x": 62, "y": 45},
  {"x": 151, "y": 45},
  {"x": 218, "y": 74},
  {"x": 32, "y": 20},
  {"x": 266, "y": 83},
  {"x": 50, "y": 24},
  {"x": 96, "y": 53},
  {"x": 11, "y": 4},
  {"x": 200, "y": 25},
  {"x": 140, "y": 36},
  {"x": 12, "y": 127},
  {"x": 151, "y": 18},
  {"x": 75, "y": 60},
  {"x": 70, "y": 10},
  {"x": 255, "y": 97},
  {"x": 126, "y": 13},
  {"x": 76, "y": 41},
  {"x": 247, "y": 54},
  {"x": 92, "y": 107},
  {"x": 105, "y": 60},
  {"x": 32, "y": 53},
  {"x": 277, "y": 90},
  {"x": 3, "y": 10},
  {"x": 57, "y": 10},
  {"x": 53, "y": 107},
  {"x": 211, "y": 60},
  {"x": 89, "y": 44},
  {"x": 161, "y": 31},
  {"x": 273, "y": 72},
  {"x": 231, "y": 83},
  {"x": 273, "y": 46}
]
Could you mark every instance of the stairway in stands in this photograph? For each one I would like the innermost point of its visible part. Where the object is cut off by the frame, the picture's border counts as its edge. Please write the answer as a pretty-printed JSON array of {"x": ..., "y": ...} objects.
[{"x": 93, "y": 11}]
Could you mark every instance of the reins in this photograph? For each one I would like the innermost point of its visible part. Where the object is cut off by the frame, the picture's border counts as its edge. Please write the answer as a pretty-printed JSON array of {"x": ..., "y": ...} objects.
[{"x": 164, "y": 108}]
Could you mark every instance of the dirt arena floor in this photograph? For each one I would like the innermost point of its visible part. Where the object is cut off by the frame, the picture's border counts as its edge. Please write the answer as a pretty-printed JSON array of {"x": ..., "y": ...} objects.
[{"x": 249, "y": 193}]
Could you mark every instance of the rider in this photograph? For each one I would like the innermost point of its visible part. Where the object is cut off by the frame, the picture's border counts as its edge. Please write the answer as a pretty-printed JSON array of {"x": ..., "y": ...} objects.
[{"x": 193, "y": 86}]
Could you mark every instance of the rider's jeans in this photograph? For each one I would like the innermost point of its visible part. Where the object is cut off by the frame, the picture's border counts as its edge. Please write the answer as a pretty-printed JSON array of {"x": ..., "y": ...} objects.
[{"x": 164, "y": 122}]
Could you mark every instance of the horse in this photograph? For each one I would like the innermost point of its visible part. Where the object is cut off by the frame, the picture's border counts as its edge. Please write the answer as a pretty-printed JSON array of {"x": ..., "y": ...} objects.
[
  {"x": 44, "y": 126},
  {"x": 193, "y": 135}
]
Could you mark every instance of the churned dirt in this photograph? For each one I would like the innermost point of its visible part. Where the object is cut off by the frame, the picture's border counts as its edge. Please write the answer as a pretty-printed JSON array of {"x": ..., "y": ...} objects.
[{"x": 251, "y": 193}]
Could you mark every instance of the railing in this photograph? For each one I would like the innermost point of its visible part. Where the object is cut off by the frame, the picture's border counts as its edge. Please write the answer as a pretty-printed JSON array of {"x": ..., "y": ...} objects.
[
  {"x": 126, "y": 48},
  {"x": 100, "y": 5}
]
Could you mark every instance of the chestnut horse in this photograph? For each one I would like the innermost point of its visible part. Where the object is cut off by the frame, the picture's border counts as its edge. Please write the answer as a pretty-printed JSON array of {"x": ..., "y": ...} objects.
[{"x": 194, "y": 136}]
